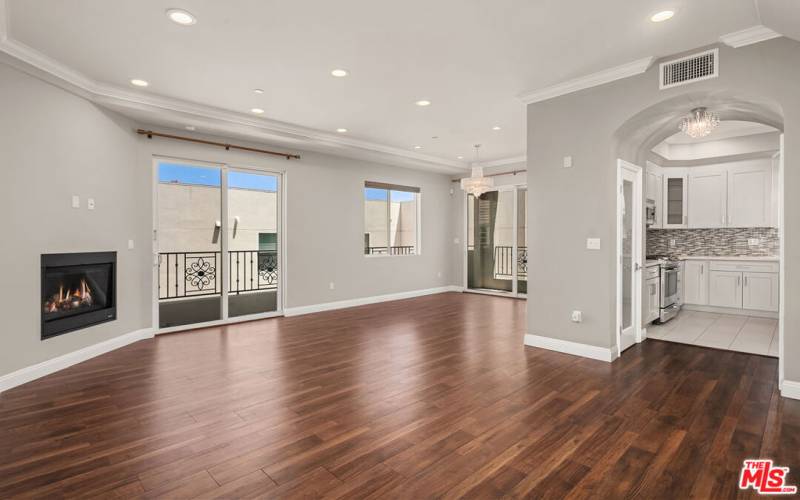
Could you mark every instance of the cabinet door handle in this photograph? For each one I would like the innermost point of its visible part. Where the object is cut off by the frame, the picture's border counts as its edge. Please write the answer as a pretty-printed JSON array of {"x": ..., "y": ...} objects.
[
  {"x": 738, "y": 280},
  {"x": 745, "y": 281}
]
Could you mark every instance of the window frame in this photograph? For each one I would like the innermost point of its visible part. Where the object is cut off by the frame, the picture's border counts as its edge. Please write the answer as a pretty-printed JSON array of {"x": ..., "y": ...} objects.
[{"x": 417, "y": 192}]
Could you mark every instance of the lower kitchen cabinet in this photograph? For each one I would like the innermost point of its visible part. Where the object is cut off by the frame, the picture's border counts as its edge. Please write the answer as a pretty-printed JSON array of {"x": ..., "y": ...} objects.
[
  {"x": 760, "y": 291},
  {"x": 725, "y": 289},
  {"x": 744, "y": 285}
]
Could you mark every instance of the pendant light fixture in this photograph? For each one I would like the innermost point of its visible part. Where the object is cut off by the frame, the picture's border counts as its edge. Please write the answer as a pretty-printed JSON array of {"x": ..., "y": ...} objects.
[
  {"x": 477, "y": 184},
  {"x": 699, "y": 123}
]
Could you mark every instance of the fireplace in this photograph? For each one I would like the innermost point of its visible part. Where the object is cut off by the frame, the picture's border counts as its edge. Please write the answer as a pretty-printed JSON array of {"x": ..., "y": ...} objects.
[{"x": 78, "y": 290}]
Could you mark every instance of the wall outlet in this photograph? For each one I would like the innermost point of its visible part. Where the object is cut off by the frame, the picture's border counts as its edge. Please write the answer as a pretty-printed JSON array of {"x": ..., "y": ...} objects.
[
  {"x": 753, "y": 242},
  {"x": 456, "y": 241},
  {"x": 90, "y": 203},
  {"x": 576, "y": 317},
  {"x": 130, "y": 244},
  {"x": 593, "y": 243},
  {"x": 76, "y": 201},
  {"x": 672, "y": 243},
  {"x": 332, "y": 285}
]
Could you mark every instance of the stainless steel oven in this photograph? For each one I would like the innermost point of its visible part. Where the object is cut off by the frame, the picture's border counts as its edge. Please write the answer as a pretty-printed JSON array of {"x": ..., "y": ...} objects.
[{"x": 670, "y": 290}]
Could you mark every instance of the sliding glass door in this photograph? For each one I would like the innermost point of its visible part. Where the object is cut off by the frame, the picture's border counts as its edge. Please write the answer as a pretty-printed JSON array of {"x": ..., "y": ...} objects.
[
  {"x": 496, "y": 256},
  {"x": 217, "y": 239}
]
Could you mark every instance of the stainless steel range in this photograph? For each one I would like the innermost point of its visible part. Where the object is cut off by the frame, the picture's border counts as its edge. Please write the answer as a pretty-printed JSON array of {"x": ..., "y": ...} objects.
[{"x": 671, "y": 283}]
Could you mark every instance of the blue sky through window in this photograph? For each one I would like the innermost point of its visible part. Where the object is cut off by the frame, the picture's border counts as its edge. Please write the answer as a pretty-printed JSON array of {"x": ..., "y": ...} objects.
[
  {"x": 375, "y": 194},
  {"x": 169, "y": 173}
]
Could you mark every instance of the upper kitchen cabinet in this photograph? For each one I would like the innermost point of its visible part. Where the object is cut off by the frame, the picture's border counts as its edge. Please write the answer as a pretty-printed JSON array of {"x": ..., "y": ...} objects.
[
  {"x": 708, "y": 187},
  {"x": 750, "y": 189},
  {"x": 675, "y": 199},
  {"x": 654, "y": 192}
]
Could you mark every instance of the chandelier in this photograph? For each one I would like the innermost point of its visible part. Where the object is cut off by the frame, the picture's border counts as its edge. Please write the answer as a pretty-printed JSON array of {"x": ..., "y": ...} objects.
[
  {"x": 699, "y": 123},
  {"x": 477, "y": 184}
]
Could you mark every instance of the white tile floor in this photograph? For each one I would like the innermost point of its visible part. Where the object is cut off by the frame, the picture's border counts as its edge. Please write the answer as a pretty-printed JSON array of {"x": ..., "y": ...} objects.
[{"x": 722, "y": 331}]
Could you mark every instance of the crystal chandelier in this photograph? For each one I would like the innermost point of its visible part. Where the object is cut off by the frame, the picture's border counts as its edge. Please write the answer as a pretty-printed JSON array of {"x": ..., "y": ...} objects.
[
  {"x": 699, "y": 123},
  {"x": 477, "y": 184}
]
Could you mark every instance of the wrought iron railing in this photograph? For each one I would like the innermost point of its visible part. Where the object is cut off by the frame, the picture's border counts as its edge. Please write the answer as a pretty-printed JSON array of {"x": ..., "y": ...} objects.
[
  {"x": 198, "y": 274},
  {"x": 395, "y": 250},
  {"x": 504, "y": 261}
]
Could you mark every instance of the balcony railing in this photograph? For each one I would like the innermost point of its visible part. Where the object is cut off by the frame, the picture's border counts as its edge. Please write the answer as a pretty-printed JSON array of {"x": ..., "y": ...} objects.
[
  {"x": 396, "y": 250},
  {"x": 198, "y": 274},
  {"x": 504, "y": 262}
]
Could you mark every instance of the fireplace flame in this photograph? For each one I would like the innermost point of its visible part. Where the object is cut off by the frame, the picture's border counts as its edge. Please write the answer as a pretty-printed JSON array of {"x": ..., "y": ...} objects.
[{"x": 67, "y": 300}]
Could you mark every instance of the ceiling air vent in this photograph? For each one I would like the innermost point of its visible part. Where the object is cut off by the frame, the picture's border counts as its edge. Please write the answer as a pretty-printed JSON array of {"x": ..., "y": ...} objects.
[{"x": 689, "y": 69}]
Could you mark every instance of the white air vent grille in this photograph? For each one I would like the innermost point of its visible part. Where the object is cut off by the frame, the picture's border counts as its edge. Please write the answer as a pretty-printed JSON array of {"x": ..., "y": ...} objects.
[{"x": 689, "y": 69}]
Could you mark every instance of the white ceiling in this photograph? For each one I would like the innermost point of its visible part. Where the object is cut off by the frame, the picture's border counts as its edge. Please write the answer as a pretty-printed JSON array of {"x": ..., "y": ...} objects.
[{"x": 471, "y": 58}]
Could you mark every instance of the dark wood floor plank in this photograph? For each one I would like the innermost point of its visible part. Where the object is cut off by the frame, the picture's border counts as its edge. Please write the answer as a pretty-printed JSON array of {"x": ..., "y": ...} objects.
[{"x": 421, "y": 398}]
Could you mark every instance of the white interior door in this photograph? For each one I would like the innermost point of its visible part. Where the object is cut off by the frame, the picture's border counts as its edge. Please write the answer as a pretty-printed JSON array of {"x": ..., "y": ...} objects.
[{"x": 629, "y": 250}]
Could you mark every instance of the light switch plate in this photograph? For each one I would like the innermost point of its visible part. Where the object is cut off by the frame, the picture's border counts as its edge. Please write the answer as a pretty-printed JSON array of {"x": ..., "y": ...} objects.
[
  {"x": 593, "y": 243},
  {"x": 567, "y": 162},
  {"x": 753, "y": 242},
  {"x": 90, "y": 203},
  {"x": 130, "y": 244},
  {"x": 76, "y": 201}
]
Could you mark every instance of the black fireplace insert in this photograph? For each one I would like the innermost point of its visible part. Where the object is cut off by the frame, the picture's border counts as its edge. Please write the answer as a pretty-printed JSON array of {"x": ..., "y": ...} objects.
[{"x": 78, "y": 290}]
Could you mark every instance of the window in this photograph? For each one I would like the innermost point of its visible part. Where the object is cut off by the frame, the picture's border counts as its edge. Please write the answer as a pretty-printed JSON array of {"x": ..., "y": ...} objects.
[{"x": 391, "y": 219}]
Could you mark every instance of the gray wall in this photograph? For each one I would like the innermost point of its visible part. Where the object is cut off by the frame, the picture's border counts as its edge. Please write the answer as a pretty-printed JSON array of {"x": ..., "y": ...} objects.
[
  {"x": 598, "y": 125},
  {"x": 54, "y": 144}
]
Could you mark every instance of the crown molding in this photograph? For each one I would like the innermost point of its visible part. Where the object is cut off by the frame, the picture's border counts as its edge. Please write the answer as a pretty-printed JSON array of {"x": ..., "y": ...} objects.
[
  {"x": 217, "y": 120},
  {"x": 584, "y": 82},
  {"x": 502, "y": 162},
  {"x": 748, "y": 36}
]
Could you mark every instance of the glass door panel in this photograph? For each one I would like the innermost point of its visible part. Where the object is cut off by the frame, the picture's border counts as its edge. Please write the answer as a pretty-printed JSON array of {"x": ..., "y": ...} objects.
[
  {"x": 522, "y": 238},
  {"x": 189, "y": 243},
  {"x": 490, "y": 241},
  {"x": 253, "y": 242},
  {"x": 627, "y": 254}
]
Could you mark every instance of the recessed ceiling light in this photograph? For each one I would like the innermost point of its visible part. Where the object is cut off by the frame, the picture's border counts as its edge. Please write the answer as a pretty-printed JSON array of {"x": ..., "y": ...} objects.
[
  {"x": 341, "y": 130},
  {"x": 258, "y": 91},
  {"x": 139, "y": 83},
  {"x": 423, "y": 102},
  {"x": 496, "y": 127},
  {"x": 460, "y": 157},
  {"x": 190, "y": 128},
  {"x": 182, "y": 17},
  {"x": 662, "y": 16},
  {"x": 257, "y": 111},
  {"x": 417, "y": 147},
  {"x": 339, "y": 73}
]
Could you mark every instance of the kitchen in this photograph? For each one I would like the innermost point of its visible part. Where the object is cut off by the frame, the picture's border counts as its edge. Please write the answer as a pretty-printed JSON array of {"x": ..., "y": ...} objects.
[{"x": 711, "y": 277}]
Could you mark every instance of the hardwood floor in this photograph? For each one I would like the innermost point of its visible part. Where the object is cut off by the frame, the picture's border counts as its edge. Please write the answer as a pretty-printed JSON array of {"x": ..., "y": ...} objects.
[{"x": 427, "y": 397}]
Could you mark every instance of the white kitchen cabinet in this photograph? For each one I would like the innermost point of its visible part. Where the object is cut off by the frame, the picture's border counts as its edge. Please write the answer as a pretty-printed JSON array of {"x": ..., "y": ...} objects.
[
  {"x": 654, "y": 192},
  {"x": 760, "y": 291},
  {"x": 750, "y": 194},
  {"x": 674, "y": 208},
  {"x": 725, "y": 289},
  {"x": 708, "y": 197},
  {"x": 695, "y": 282}
]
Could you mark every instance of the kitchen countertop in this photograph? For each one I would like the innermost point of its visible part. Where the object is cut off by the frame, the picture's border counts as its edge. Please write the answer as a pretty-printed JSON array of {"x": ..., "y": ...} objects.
[{"x": 759, "y": 258}]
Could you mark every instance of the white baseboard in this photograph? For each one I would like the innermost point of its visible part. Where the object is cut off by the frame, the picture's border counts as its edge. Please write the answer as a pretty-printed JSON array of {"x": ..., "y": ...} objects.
[
  {"x": 729, "y": 310},
  {"x": 341, "y": 304},
  {"x": 790, "y": 389},
  {"x": 25, "y": 375},
  {"x": 607, "y": 354}
]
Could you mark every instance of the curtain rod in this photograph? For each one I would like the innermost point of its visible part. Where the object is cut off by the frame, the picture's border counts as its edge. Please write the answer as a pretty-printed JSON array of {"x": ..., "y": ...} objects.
[
  {"x": 150, "y": 134},
  {"x": 512, "y": 172}
]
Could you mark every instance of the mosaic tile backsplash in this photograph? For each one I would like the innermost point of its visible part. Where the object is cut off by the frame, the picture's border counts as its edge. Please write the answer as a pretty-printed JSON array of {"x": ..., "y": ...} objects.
[{"x": 712, "y": 242}]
